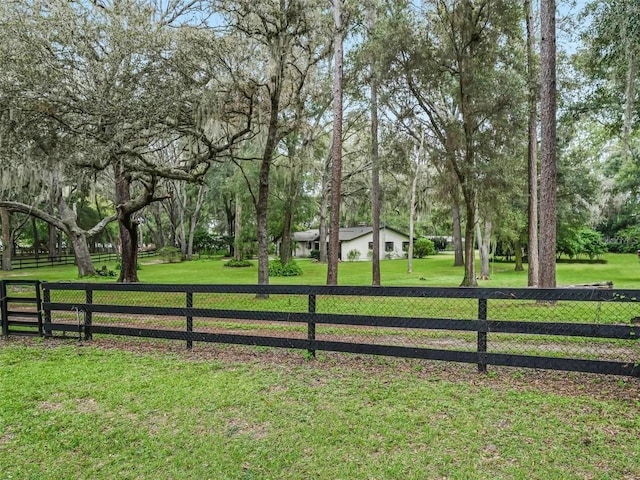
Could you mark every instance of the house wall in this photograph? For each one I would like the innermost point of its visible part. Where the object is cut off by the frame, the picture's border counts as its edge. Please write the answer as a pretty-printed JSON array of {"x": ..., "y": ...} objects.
[
  {"x": 302, "y": 249},
  {"x": 362, "y": 245}
]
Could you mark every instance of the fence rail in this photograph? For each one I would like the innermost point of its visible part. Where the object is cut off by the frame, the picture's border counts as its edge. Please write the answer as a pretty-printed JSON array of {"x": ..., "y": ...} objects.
[
  {"x": 22, "y": 262},
  {"x": 536, "y": 328}
]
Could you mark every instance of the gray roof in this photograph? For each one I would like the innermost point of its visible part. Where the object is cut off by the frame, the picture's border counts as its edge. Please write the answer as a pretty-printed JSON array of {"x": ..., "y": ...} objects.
[
  {"x": 346, "y": 234},
  {"x": 306, "y": 236}
]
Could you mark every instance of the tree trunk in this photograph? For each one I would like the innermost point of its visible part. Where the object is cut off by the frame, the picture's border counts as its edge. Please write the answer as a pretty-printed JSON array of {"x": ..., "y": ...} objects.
[
  {"x": 323, "y": 212},
  {"x": 289, "y": 208},
  {"x": 77, "y": 238},
  {"x": 458, "y": 253},
  {"x": 36, "y": 238},
  {"x": 237, "y": 241},
  {"x": 469, "y": 279},
  {"x": 193, "y": 221},
  {"x": 630, "y": 98},
  {"x": 52, "y": 232},
  {"x": 265, "y": 167},
  {"x": 375, "y": 168},
  {"x": 82, "y": 254},
  {"x": 517, "y": 245},
  {"x": 532, "y": 156},
  {"x": 183, "y": 221},
  {"x": 128, "y": 229},
  {"x": 336, "y": 150},
  {"x": 412, "y": 215},
  {"x": 7, "y": 239},
  {"x": 548, "y": 200},
  {"x": 484, "y": 244},
  {"x": 159, "y": 237}
]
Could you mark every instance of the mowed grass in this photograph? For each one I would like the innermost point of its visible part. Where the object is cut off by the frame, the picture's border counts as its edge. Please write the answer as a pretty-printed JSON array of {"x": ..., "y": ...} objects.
[
  {"x": 83, "y": 413},
  {"x": 438, "y": 270}
]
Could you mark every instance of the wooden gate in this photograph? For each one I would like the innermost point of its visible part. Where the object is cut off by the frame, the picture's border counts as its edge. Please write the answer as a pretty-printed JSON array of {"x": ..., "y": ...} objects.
[{"x": 21, "y": 307}]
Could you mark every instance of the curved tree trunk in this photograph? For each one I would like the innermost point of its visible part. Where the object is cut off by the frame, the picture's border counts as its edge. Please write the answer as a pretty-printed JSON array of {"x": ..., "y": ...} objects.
[
  {"x": 128, "y": 229},
  {"x": 7, "y": 238},
  {"x": 82, "y": 254}
]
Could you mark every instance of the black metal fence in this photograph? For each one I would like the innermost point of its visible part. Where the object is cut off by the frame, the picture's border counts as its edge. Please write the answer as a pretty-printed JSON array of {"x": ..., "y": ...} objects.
[
  {"x": 585, "y": 330},
  {"x": 23, "y": 262}
]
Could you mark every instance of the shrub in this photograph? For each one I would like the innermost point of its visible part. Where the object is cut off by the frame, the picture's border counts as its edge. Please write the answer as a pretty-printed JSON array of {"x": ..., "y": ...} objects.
[
  {"x": 423, "y": 247},
  {"x": 105, "y": 272},
  {"x": 315, "y": 254},
  {"x": 279, "y": 269},
  {"x": 353, "y": 255},
  {"x": 583, "y": 241},
  {"x": 238, "y": 263},
  {"x": 170, "y": 254}
]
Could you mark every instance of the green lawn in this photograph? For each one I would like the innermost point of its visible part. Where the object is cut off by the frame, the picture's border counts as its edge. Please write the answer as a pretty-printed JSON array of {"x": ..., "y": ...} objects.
[
  {"x": 623, "y": 270},
  {"x": 85, "y": 413}
]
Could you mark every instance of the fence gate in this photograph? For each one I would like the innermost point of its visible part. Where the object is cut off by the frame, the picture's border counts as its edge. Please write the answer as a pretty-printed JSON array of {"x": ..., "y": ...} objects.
[{"x": 21, "y": 307}]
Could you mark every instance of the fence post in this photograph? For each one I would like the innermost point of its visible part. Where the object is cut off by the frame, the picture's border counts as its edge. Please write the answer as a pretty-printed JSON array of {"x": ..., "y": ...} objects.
[
  {"x": 311, "y": 327},
  {"x": 39, "y": 307},
  {"x": 3, "y": 309},
  {"x": 189, "y": 319},
  {"x": 88, "y": 315},
  {"x": 482, "y": 335},
  {"x": 46, "y": 298}
]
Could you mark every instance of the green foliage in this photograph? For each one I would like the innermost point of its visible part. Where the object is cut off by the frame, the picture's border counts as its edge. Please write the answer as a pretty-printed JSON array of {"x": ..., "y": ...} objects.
[
  {"x": 353, "y": 255},
  {"x": 238, "y": 263},
  {"x": 581, "y": 242},
  {"x": 279, "y": 269},
  {"x": 209, "y": 244},
  {"x": 423, "y": 248},
  {"x": 626, "y": 240},
  {"x": 104, "y": 271},
  {"x": 170, "y": 254},
  {"x": 315, "y": 254}
]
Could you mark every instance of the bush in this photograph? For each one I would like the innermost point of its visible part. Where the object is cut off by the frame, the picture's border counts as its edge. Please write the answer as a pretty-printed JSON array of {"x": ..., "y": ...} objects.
[
  {"x": 423, "y": 247},
  {"x": 279, "y": 269},
  {"x": 584, "y": 241},
  {"x": 315, "y": 254},
  {"x": 105, "y": 272},
  {"x": 238, "y": 263},
  {"x": 170, "y": 254},
  {"x": 353, "y": 255}
]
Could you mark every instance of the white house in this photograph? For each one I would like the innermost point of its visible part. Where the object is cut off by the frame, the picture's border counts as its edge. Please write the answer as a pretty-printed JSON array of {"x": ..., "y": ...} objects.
[{"x": 393, "y": 243}]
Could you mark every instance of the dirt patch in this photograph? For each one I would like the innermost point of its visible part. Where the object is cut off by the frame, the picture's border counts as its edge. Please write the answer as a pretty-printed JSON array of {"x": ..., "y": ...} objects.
[
  {"x": 49, "y": 406},
  {"x": 87, "y": 405}
]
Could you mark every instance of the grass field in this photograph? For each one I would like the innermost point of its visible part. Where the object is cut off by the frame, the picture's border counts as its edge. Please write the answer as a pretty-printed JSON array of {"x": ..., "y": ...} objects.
[
  {"x": 143, "y": 409},
  {"x": 623, "y": 270},
  {"x": 84, "y": 413}
]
